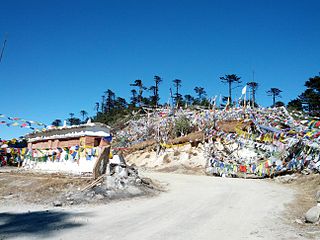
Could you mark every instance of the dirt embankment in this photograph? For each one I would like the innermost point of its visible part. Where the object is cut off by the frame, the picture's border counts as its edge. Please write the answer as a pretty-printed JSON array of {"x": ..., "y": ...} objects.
[
  {"x": 229, "y": 126},
  {"x": 194, "y": 137},
  {"x": 148, "y": 145}
]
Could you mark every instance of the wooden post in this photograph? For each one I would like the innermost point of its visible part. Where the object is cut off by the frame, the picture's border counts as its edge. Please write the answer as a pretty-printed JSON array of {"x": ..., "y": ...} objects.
[{"x": 101, "y": 164}]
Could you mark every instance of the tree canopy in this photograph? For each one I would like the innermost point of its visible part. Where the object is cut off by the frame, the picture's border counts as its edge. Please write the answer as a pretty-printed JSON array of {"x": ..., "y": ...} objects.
[
  {"x": 275, "y": 93},
  {"x": 309, "y": 100},
  {"x": 230, "y": 79},
  {"x": 112, "y": 109}
]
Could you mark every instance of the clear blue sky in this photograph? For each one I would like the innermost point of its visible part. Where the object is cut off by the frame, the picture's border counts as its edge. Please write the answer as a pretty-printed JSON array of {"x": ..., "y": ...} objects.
[{"x": 62, "y": 55}]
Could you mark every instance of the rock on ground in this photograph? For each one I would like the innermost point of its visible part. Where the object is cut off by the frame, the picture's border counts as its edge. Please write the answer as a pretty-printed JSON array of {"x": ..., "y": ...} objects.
[{"x": 313, "y": 214}]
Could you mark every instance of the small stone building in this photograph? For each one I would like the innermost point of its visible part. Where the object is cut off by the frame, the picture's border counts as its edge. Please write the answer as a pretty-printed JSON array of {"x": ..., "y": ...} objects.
[
  {"x": 83, "y": 135},
  {"x": 72, "y": 149}
]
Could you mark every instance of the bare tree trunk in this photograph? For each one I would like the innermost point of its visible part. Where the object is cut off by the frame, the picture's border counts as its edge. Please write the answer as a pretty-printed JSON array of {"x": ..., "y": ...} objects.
[{"x": 274, "y": 99}]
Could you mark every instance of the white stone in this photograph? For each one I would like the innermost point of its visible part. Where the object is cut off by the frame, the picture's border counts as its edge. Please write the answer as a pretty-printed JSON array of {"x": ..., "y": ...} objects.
[{"x": 313, "y": 214}]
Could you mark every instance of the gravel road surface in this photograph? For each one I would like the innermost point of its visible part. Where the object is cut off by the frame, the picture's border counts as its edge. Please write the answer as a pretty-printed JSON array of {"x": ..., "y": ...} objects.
[{"x": 194, "y": 207}]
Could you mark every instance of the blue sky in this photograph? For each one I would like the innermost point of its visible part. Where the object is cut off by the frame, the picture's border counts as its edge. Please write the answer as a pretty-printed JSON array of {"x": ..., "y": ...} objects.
[{"x": 62, "y": 55}]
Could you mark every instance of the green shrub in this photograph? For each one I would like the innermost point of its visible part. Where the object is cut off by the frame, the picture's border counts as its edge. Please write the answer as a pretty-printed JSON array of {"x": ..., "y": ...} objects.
[{"x": 182, "y": 126}]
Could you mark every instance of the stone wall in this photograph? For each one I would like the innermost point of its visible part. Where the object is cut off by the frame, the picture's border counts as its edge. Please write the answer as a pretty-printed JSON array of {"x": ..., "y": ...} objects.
[{"x": 88, "y": 141}]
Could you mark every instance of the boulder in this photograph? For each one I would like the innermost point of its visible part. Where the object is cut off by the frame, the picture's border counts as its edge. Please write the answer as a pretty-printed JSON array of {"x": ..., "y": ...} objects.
[
  {"x": 313, "y": 214},
  {"x": 57, "y": 204}
]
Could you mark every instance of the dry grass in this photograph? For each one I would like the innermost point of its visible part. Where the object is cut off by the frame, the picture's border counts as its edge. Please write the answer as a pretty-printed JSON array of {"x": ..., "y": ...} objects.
[
  {"x": 36, "y": 187},
  {"x": 306, "y": 188},
  {"x": 229, "y": 126}
]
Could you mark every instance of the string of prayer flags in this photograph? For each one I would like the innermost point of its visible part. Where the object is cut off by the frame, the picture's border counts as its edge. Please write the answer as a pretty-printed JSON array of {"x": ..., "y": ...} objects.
[{"x": 19, "y": 122}]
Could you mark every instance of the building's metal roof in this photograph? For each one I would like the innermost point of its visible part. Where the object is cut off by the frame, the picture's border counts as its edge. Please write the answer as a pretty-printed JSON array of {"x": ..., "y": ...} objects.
[{"x": 74, "y": 131}]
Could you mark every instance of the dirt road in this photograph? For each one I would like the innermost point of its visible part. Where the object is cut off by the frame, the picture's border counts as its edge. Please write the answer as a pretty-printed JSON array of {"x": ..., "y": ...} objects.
[{"x": 195, "y": 207}]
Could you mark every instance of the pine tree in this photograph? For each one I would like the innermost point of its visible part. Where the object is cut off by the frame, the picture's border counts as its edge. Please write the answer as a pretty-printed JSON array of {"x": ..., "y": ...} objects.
[
  {"x": 295, "y": 104},
  {"x": 310, "y": 98},
  {"x": 253, "y": 87},
  {"x": 138, "y": 83},
  {"x": 188, "y": 99},
  {"x": 178, "y": 96},
  {"x": 155, "y": 90},
  {"x": 110, "y": 100},
  {"x": 56, "y": 123},
  {"x": 96, "y": 107},
  {"x": 83, "y": 114},
  {"x": 201, "y": 93},
  {"x": 274, "y": 92},
  {"x": 230, "y": 79},
  {"x": 134, "y": 97}
]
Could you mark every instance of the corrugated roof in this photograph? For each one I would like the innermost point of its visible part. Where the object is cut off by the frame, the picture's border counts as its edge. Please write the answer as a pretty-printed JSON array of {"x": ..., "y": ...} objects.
[{"x": 55, "y": 132}]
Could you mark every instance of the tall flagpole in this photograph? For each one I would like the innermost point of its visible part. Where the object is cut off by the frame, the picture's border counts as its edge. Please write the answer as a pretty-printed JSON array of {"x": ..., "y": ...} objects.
[
  {"x": 2, "y": 50},
  {"x": 245, "y": 98},
  {"x": 250, "y": 98}
]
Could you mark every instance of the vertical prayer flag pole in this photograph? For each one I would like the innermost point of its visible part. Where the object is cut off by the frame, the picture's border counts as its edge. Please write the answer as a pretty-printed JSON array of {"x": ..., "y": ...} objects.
[
  {"x": 171, "y": 95},
  {"x": 244, "y": 92},
  {"x": 2, "y": 50}
]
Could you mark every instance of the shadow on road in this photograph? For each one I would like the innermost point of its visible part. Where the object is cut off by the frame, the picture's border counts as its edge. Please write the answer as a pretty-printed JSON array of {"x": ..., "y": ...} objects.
[{"x": 41, "y": 223}]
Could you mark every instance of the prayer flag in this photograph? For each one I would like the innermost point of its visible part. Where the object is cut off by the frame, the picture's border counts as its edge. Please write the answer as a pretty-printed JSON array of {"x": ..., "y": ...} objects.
[{"x": 244, "y": 90}]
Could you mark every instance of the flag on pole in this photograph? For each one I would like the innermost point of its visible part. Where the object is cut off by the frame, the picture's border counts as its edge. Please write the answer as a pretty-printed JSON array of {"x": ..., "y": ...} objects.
[
  {"x": 214, "y": 100},
  {"x": 244, "y": 90},
  {"x": 227, "y": 105}
]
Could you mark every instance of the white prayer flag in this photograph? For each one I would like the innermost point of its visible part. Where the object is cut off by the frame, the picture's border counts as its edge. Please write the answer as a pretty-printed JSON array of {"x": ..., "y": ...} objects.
[
  {"x": 244, "y": 90},
  {"x": 228, "y": 103},
  {"x": 214, "y": 100}
]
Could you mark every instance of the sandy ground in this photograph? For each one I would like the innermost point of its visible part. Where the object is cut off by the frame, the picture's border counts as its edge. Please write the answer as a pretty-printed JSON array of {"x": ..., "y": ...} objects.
[{"x": 194, "y": 207}]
